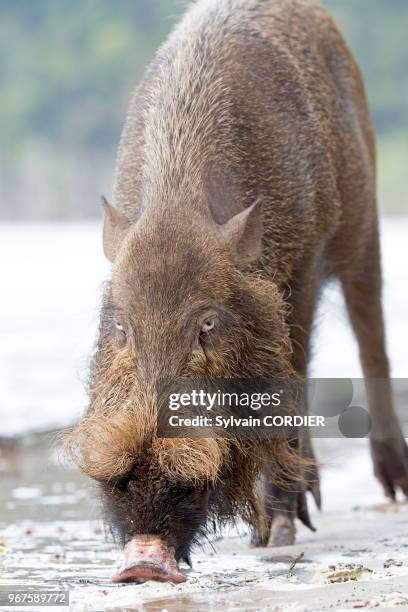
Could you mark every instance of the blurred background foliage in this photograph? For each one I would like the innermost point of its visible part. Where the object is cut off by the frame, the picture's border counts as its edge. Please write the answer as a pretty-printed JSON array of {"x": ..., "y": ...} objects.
[{"x": 69, "y": 66}]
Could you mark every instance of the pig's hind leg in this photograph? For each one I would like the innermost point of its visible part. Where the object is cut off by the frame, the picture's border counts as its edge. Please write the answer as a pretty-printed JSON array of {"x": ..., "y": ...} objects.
[{"x": 361, "y": 284}]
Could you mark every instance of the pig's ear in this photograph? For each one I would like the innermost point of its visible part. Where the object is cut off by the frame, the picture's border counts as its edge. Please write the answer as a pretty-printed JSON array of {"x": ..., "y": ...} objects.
[
  {"x": 243, "y": 234},
  {"x": 114, "y": 228}
]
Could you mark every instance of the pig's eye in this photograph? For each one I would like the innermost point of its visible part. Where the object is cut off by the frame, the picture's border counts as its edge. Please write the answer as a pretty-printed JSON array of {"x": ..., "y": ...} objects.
[
  {"x": 206, "y": 327},
  {"x": 120, "y": 329}
]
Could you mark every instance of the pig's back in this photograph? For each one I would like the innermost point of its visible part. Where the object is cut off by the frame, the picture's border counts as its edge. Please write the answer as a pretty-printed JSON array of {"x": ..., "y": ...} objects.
[{"x": 248, "y": 98}]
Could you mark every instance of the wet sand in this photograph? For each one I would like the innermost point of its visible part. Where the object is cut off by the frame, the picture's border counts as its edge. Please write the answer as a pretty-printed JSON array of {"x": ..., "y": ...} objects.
[{"x": 50, "y": 538}]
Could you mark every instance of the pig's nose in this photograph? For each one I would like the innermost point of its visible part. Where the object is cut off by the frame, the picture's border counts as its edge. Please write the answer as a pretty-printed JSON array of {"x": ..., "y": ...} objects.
[{"x": 149, "y": 558}]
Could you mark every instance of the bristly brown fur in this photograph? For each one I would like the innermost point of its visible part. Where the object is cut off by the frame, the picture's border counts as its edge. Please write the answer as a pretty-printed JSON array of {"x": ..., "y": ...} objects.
[{"x": 247, "y": 101}]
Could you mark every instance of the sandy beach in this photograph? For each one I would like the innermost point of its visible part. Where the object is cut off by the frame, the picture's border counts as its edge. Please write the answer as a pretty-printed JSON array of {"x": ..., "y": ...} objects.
[{"x": 358, "y": 558}]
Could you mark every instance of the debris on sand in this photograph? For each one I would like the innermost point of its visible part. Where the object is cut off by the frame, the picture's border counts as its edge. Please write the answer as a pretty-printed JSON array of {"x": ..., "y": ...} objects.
[
  {"x": 344, "y": 572},
  {"x": 391, "y": 506},
  {"x": 293, "y": 564},
  {"x": 384, "y": 600},
  {"x": 285, "y": 559},
  {"x": 393, "y": 562}
]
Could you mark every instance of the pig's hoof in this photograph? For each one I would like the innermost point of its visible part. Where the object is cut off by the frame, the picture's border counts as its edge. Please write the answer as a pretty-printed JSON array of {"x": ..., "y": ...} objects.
[
  {"x": 142, "y": 572},
  {"x": 259, "y": 540},
  {"x": 390, "y": 460},
  {"x": 282, "y": 531}
]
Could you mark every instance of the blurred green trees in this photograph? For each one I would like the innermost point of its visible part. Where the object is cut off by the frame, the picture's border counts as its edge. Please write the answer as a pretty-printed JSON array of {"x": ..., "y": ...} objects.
[
  {"x": 377, "y": 32},
  {"x": 68, "y": 67}
]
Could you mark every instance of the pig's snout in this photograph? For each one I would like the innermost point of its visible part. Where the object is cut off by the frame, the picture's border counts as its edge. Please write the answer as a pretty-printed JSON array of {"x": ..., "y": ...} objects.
[{"x": 149, "y": 558}]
